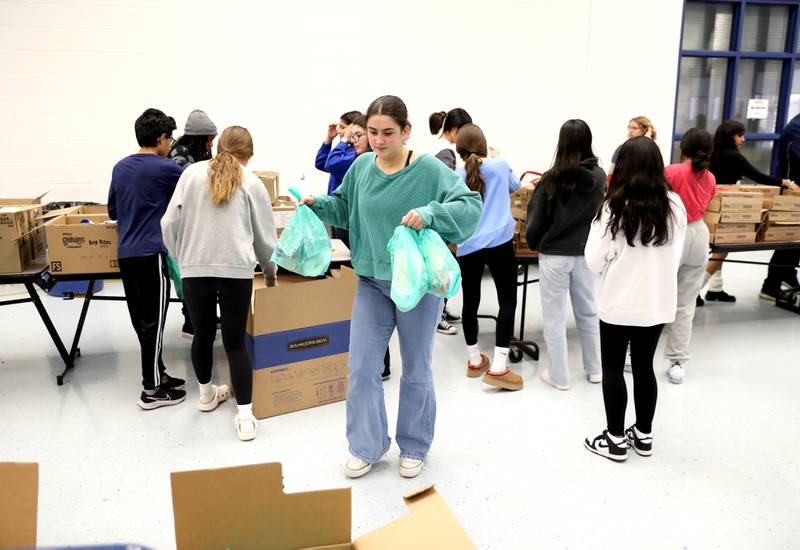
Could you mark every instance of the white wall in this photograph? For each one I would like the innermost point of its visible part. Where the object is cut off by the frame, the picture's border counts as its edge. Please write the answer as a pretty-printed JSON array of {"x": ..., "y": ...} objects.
[{"x": 75, "y": 74}]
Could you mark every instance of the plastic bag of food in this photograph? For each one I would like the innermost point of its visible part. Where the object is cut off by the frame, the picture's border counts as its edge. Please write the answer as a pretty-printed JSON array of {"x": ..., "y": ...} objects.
[
  {"x": 444, "y": 272},
  {"x": 409, "y": 274},
  {"x": 304, "y": 247}
]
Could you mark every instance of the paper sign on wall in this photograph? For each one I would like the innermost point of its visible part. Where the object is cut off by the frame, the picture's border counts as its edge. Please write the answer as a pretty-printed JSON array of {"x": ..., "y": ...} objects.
[{"x": 757, "y": 109}]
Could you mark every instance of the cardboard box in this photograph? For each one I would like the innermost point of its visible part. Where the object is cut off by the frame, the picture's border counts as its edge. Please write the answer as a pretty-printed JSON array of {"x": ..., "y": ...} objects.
[
  {"x": 258, "y": 514},
  {"x": 19, "y": 500},
  {"x": 81, "y": 209},
  {"x": 271, "y": 182},
  {"x": 21, "y": 237},
  {"x": 298, "y": 338},
  {"x": 790, "y": 216},
  {"x": 766, "y": 190},
  {"x": 282, "y": 213},
  {"x": 786, "y": 203},
  {"x": 77, "y": 248},
  {"x": 735, "y": 201},
  {"x": 733, "y": 238},
  {"x": 714, "y": 218},
  {"x": 779, "y": 233},
  {"x": 736, "y": 228},
  {"x": 519, "y": 202}
]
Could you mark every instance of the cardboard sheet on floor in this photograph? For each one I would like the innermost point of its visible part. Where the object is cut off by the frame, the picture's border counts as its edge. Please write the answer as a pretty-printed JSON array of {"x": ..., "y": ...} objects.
[
  {"x": 246, "y": 508},
  {"x": 18, "y": 504}
]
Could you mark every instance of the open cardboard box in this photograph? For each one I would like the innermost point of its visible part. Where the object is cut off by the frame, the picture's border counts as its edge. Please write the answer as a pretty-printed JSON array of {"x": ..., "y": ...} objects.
[
  {"x": 271, "y": 181},
  {"x": 74, "y": 247},
  {"x": 21, "y": 235},
  {"x": 246, "y": 508},
  {"x": 19, "y": 498}
]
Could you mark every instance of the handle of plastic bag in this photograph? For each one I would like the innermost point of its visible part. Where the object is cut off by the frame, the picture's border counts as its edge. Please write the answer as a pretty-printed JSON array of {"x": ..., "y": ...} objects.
[{"x": 296, "y": 192}]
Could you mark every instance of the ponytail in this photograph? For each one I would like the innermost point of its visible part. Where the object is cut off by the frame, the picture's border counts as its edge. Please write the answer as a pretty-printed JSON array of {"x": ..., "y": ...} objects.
[
  {"x": 697, "y": 145},
  {"x": 472, "y": 165},
  {"x": 701, "y": 162},
  {"x": 436, "y": 121},
  {"x": 225, "y": 172}
]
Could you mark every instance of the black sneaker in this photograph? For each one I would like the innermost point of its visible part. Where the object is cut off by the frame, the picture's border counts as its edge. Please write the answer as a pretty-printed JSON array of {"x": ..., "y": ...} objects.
[
  {"x": 699, "y": 302},
  {"x": 643, "y": 446},
  {"x": 446, "y": 328},
  {"x": 386, "y": 373},
  {"x": 720, "y": 296},
  {"x": 603, "y": 446},
  {"x": 161, "y": 398},
  {"x": 450, "y": 317},
  {"x": 170, "y": 383},
  {"x": 187, "y": 331}
]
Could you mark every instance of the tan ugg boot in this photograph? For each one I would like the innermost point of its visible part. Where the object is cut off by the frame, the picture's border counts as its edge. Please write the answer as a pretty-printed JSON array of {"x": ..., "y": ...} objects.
[
  {"x": 507, "y": 380},
  {"x": 475, "y": 372}
]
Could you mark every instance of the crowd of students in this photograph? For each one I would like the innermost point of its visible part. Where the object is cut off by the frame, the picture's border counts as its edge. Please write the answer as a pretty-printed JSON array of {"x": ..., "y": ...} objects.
[{"x": 630, "y": 250}]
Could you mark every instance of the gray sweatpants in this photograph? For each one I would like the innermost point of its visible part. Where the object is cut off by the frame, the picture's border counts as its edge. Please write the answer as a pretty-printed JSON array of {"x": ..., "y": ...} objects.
[{"x": 690, "y": 279}]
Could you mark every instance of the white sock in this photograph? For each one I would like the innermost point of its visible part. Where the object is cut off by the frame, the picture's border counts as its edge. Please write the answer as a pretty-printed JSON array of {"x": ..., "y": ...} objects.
[
  {"x": 500, "y": 358},
  {"x": 706, "y": 277},
  {"x": 474, "y": 353},
  {"x": 206, "y": 392},
  {"x": 641, "y": 435},
  {"x": 614, "y": 439},
  {"x": 245, "y": 411}
]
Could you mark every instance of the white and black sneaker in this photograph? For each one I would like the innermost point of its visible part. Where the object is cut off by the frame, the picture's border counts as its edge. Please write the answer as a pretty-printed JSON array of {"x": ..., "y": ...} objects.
[
  {"x": 603, "y": 445},
  {"x": 450, "y": 317},
  {"x": 162, "y": 397},
  {"x": 445, "y": 328},
  {"x": 642, "y": 445}
]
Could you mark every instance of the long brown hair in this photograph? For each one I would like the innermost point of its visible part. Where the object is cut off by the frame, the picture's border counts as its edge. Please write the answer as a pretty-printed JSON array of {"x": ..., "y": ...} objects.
[
  {"x": 471, "y": 147},
  {"x": 225, "y": 172}
]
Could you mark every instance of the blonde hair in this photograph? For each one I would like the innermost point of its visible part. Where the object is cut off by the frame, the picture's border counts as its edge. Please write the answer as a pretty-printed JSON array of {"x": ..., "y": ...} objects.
[
  {"x": 225, "y": 172},
  {"x": 646, "y": 125}
]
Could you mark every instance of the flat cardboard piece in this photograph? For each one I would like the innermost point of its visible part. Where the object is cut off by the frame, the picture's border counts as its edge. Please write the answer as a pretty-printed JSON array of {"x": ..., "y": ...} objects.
[
  {"x": 19, "y": 498},
  {"x": 792, "y": 216},
  {"x": 245, "y": 508},
  {"x": 714, "y": 218},
  {"x": 734, "y": 238},
  {"x": 81, "y": 209},
  {"x": 786, "y": 202},
  {"x": 780, "y": 233},
  {"x": 270, "y": 180},
  {"x": 736, "y": 201},
  {"x": 82, "y": 248}
]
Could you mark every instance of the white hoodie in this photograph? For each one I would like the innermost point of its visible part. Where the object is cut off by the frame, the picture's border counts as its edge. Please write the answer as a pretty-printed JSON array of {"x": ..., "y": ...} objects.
[{"x": 638, "y": 284}]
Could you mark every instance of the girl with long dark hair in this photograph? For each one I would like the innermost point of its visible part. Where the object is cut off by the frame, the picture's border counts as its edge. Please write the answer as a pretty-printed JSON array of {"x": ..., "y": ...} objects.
[{"x": 635, "y": 245}]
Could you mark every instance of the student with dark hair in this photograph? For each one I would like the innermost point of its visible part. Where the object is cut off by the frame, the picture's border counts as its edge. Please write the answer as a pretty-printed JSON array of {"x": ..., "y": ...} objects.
[
  {"x": 389, "y": 187},
  {"x": 729, "y": 166},
  {"x": 490, "y": 245},
  {"x": 559, "y": 215},
  {"x": 141, "y": 187},
  {"x": 695, "y": 185},
  {"x": 635, "y": 245},
  {"x": 449, "y": 123},
  {"x": 336, "y": 175},
  {"x": 218, "y": 223},
  {"x": 193, "y": 146}
]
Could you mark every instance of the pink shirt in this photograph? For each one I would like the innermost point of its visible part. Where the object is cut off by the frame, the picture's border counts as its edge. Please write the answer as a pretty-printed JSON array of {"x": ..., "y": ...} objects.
[{"x": 696, "y": 189}]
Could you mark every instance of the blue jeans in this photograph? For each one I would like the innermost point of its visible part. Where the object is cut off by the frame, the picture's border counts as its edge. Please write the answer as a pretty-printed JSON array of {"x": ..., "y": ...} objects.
[{"x": 374, "y": 319}]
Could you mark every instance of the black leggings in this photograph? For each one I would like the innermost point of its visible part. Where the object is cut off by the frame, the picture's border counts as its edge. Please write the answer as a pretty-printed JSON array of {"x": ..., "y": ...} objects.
[
  {"x": 200, "y": 296},
  {"x": 503, "y": 267},
  {"x": 614, "y": 341},
  {"x": 777, "y": 275}
]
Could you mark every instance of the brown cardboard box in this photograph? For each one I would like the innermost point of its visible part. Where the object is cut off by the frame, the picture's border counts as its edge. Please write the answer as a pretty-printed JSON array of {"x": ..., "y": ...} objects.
[
  {"x": 714, "y": 218},
  {"x": 786, "y": 203},
  {"x": 790, "y": 216},
  {"x": 736, "y": 228},
  {"x": 300, "y": 355},
  {"x": 733, "y": 238},
  {"x": 735, "y": 201},
  {"x": 258, "y": 514},
  {"x": 282, "y": 213},
  {"x": 76, "y": 248},
  {"x": 19, "y": 500},
  {"x": 519, "y": 202},
  {"x": 21, "y": 237},
  {"x": 766, "y": 190},
  {"x": 270, "y": 180},
  {"x": 81, "y": 209},
  {"x": 779, "y": 233}
]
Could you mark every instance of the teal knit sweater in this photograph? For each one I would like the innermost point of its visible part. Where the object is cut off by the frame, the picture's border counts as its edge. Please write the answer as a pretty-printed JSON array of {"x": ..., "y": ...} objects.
[{"x": 371, "y": 204}]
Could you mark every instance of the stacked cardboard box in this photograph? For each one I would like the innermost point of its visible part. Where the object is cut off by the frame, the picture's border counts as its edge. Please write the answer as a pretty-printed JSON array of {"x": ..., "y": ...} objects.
[
  {"x": 82, "y": 244},
  {"x": 733, "y": 217},
  {"x": 21, "y": 234},
  {"x": 519, "y": 202},
  {"x": 283, "y": 210},
  {"x": 783, "y": 219}
]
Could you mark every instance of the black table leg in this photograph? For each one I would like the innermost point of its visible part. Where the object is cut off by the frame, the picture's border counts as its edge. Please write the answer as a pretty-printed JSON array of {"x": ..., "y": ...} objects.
[
  {"x": 76, "y": 351},
  {"x": 48, "y": 323}
]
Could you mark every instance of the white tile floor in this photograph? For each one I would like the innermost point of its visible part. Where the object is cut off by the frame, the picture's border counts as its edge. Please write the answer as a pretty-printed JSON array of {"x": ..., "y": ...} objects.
[{"x": 725, "y": 473}]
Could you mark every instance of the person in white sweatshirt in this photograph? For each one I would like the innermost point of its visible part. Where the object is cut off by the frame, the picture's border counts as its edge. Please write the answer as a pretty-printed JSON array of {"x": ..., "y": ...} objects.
[
  {"x": 635, "y": 244},
  {"x": 217, "y": 225}
]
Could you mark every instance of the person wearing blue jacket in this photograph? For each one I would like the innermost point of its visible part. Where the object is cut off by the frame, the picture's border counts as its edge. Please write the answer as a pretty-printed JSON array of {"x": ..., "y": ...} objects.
[
  {"x": 490, "y": 245},
  {"x": 141, "y": 188},
  {"x": 336, "y": 175}
]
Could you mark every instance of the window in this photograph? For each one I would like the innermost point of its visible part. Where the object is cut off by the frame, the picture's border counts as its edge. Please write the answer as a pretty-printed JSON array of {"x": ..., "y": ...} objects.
[{"x": 739, "y": 59}]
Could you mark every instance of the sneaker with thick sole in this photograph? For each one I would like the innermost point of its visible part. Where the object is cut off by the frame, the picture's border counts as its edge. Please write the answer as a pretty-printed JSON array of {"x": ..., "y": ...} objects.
[
  {"x": 721, "y": 296},
  {"x": 221, "y": 393},
  {"x": 410, "y": 467},
  {"x": 643, "y": 446},
  {"x": 768, "y": 295},
  {"x": 603, "y": 445},
  {"x": 246, "y": 428},
  {"x": 450, "y": 317},
  {"x": 474, "y": 371},
  {"x": 506, "y": 380},
  {"x": 162, "y": 397},
  {"x": 355, "y": 467},
  {"x": 170, "y": 383},
  {"x": 594, "y": 378},
  {"x": 676, "y": 373},
  {"x": 446, "y": 328},
  {"x": 548, "y": 380}
]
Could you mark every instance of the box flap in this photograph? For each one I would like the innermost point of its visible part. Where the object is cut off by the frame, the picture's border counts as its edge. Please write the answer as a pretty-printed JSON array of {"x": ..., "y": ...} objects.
[
  {"x": 22, "y": 201},
  {"x": 246, "y": 508},
  {"x": 18, "y": 504},
  {"x": 430, "y": 525}
]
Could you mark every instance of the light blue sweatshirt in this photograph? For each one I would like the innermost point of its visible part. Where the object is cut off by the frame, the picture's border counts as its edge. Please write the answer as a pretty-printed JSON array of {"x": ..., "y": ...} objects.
[{"x": 496, "y": 225}]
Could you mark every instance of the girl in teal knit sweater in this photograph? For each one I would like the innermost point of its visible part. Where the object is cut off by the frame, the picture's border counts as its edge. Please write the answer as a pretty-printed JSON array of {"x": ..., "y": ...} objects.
[{"x": 382, "y": 189}]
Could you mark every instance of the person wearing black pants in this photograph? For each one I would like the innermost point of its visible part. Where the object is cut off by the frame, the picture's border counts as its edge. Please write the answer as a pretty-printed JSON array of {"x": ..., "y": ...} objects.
[{"x": 782, "y": 270}]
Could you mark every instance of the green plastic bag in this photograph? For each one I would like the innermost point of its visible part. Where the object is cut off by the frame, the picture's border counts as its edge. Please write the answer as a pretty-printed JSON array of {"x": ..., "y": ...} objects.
[
  {"x": 175, "y": 274},
  {"x": 443, "y": 269},
  {"x": 409, "y": 274},
  {"x": 304, "y": 246}
]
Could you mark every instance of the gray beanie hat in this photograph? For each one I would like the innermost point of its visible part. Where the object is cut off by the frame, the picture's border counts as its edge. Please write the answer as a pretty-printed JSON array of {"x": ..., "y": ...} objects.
[{"x": 198, "y": 124}]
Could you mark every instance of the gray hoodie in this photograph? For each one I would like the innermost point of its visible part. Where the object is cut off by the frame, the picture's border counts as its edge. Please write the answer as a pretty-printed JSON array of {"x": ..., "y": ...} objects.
[{"x": 224, "y": 240}]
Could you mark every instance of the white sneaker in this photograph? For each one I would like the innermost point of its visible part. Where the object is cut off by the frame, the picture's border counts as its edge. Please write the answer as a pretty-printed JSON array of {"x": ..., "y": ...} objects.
[
  {"x": 221, "y": 393},
  {"x": 245, "y": 427},
  {"x": 410, "y": 467},
  {"x": 547, "y": 379},
  {"x": 594, "y": 378},
  {"x": 355, "y": 468},
  {"x": 676, "y": 373}
]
